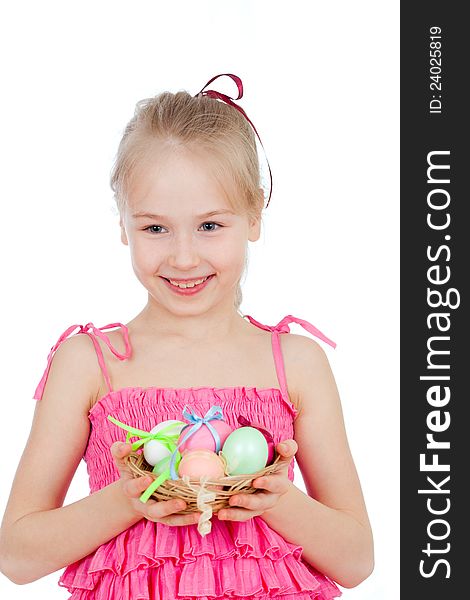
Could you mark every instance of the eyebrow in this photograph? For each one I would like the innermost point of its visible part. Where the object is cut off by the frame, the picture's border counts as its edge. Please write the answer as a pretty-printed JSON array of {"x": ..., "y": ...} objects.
[{"x": 211, "y": 213}]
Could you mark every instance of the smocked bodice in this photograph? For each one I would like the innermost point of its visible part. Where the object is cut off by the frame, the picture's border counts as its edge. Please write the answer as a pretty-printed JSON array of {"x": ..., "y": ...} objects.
[{"x": 143, "y": 408}]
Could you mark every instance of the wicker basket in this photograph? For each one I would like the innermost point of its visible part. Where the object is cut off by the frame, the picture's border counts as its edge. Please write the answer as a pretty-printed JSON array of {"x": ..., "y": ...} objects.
[{"x": 189, "y": 490}]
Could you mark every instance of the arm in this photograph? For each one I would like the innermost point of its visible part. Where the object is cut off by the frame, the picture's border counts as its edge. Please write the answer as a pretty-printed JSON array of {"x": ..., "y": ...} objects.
[
  {"x": 47, "y": 540},
  {"x": 332, "y": 540},
  {"x": 331, "y": 522},
  {"x": 38, "y": 535}
]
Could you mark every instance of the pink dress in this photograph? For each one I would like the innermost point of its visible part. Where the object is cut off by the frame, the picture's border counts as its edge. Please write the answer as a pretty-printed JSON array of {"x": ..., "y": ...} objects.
[{"x": 151, "y": 560}]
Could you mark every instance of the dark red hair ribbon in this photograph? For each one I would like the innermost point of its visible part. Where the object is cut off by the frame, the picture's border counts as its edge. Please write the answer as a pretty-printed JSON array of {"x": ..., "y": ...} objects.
[{"x": 229, "y": 100}]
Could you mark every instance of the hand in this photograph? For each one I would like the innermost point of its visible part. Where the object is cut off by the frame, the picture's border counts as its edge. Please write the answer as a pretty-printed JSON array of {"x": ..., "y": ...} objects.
[
  {"x": 273, "y": 486},
  {"x": 164, "y": 511}
]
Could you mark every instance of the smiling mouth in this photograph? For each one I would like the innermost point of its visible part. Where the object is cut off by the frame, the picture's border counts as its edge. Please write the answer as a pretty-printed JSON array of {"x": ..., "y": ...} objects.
[{"x": 187, "y": 283}]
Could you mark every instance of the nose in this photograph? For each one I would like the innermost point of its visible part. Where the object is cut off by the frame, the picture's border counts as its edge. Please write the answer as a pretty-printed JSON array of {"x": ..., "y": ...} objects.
[{"x": 183, "y": 253}]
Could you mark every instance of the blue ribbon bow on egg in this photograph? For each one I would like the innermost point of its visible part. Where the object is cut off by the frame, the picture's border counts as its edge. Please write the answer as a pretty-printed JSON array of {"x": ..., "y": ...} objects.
[{"x": 213, "y": 414}]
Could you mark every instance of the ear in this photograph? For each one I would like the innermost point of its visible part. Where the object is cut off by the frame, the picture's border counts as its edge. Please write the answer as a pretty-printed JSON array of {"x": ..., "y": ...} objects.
[
  {"x": 255, "y": 222},
  {"x": 124, "y": 239},
  {"x": 254, "y": 231}
]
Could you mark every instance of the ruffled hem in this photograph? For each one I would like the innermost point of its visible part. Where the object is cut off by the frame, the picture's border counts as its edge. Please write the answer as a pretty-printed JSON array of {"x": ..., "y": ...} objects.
[{"x": 152, "y": 560}]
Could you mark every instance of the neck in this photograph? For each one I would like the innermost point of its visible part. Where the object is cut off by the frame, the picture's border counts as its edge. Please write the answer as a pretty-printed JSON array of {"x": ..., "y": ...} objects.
[{"x": 210, "y": 327}]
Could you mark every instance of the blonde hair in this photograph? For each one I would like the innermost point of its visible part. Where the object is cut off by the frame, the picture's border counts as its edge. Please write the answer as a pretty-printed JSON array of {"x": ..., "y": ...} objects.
[{"x": 205, "y": 125}]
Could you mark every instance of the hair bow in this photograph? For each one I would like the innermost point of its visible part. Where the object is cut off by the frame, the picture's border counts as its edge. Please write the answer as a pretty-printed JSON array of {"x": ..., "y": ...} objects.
[{"x": 229, "y": 100}]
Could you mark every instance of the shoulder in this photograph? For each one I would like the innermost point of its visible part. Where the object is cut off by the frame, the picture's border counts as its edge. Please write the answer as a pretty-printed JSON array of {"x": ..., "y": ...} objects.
[
  {"x": 77, "y": 347},
  {"x": 302, "y": 349},
  {"x": 306, "y": 366},
  {"x": 75, "y": 364}
]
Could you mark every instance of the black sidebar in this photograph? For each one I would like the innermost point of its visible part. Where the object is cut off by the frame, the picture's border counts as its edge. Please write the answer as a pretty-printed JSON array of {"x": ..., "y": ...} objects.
[{"x": 434, "y": 261}]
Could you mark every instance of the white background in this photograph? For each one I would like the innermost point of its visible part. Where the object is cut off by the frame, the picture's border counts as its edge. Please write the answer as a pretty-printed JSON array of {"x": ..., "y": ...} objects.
[{"x": 321, "y": 85}]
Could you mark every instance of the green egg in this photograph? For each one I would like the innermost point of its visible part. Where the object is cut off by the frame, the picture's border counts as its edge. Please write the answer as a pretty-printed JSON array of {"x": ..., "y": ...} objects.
[{"x": 245, "y": 450}]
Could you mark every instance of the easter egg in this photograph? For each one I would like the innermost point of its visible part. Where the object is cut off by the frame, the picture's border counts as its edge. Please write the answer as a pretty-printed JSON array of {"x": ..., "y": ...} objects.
[
  {"x": 245, "y": 450},
  {"x": 155, "y": 451},
  {"x": 203, "y": 439},
  {"x": 267, "y": 435},
  {"x": 198, "y": 463}
]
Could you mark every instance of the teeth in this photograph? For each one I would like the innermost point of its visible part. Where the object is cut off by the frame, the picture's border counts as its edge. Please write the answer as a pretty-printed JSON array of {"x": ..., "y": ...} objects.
[{"x": 187, "y": 285}]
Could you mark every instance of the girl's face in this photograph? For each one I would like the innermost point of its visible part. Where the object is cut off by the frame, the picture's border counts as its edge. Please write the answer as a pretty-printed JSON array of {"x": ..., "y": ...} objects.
[{"x": 181, "y": 229}]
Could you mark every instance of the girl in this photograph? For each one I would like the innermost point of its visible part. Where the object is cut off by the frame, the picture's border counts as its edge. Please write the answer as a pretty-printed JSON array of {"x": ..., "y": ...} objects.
[{"x": 187, "y": 186}]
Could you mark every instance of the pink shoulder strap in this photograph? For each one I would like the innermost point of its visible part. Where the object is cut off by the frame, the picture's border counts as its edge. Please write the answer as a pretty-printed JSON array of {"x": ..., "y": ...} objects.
[
  {"x": 283, "y": 327},
  {"x": 93, "y": 332}
]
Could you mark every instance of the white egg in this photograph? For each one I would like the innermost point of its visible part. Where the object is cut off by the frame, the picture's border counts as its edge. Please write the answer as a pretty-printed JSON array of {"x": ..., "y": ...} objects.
[{"x": 155, "y": 451}]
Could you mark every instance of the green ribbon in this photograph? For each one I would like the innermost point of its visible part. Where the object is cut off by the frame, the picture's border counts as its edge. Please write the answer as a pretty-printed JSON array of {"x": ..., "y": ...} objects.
[{"x": 168, "y": 441}]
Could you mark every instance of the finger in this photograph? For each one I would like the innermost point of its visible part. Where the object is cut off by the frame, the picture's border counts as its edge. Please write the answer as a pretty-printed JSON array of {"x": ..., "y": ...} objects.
[
  {"x": 274, "y": 483},
  {"x": 119, "y": 450},
  {"x": 167, "y": 512},
  {"x": 189, "y": 519},
  {"x": 260, "y": 501},
  {"x": 134, "y": 487},
  {"x": 237, "y": 514},
  {"x": 287, "y": 449},
  {"x": 167, "y": 508}
]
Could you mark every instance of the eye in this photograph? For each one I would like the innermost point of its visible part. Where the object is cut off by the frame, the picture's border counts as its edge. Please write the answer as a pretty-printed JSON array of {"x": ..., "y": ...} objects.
[
  {"x": 208, "y": 226},
  {"x": 153, "y": 226},
  {"x": 217, "y": 225}
]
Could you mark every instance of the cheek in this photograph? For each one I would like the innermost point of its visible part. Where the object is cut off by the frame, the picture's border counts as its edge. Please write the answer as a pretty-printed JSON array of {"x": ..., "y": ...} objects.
[
  {"x": 143, "y": 255},
  {"x": 232, "y": 255}
]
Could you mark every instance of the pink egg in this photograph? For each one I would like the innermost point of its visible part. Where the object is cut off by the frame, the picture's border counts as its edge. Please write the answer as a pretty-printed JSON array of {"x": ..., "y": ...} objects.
[
  {"x": 203, "y": 438},
  {"x": 198, "y": 463}
]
